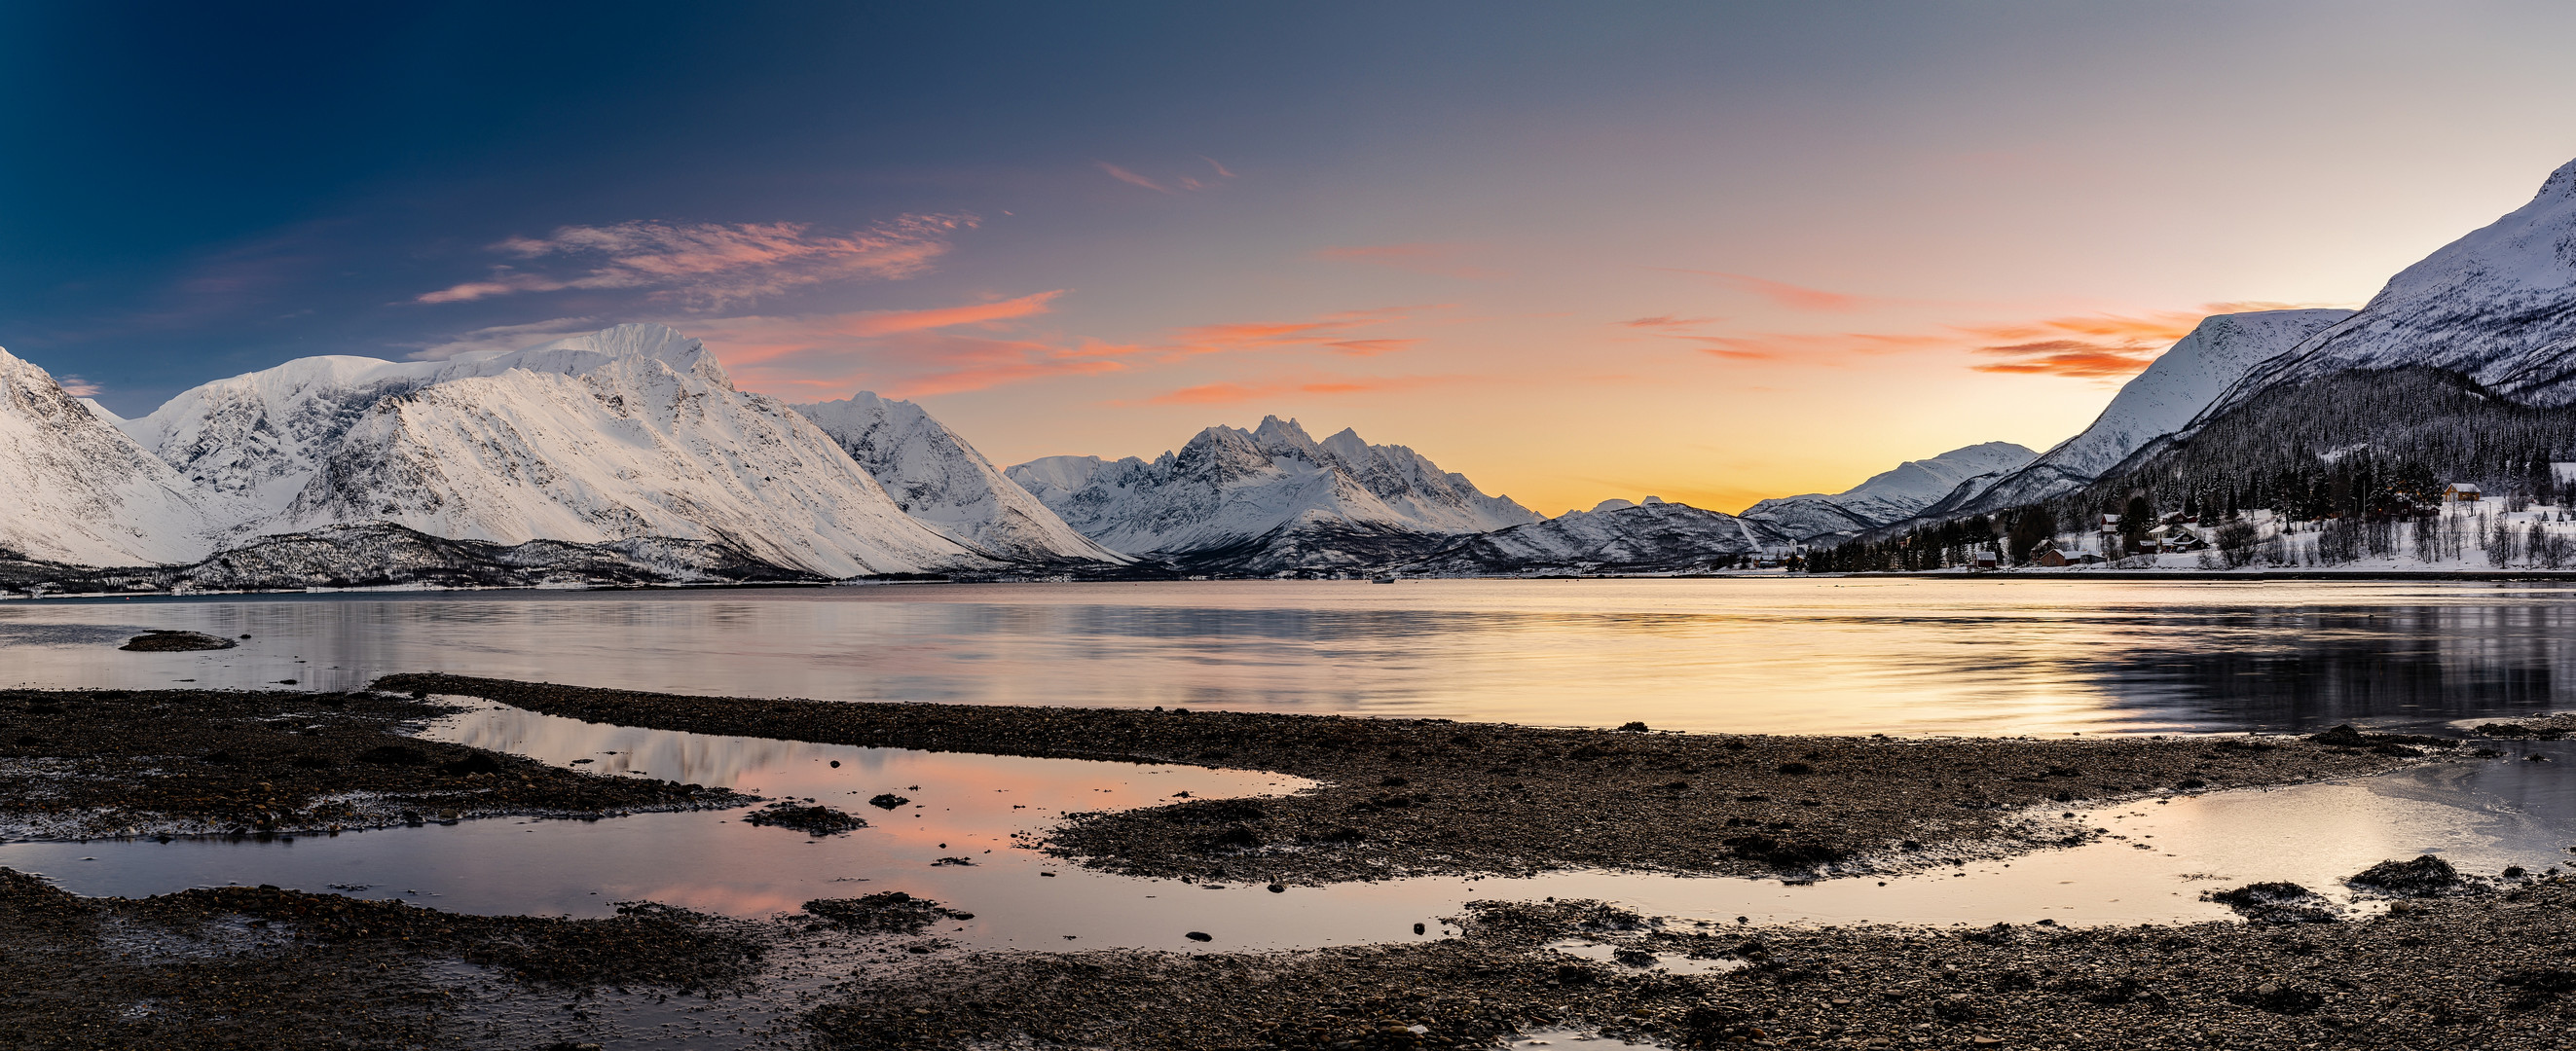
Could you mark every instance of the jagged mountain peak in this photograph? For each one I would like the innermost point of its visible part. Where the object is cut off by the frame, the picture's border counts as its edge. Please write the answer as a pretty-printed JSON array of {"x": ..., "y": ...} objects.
[
  {"x": 1272, "y": 496},
  {"x": 938, "y": 478}
]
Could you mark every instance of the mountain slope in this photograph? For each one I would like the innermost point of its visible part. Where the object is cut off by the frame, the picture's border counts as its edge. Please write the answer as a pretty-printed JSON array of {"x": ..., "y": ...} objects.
[
  {"x": 2498, "y": 306},
  {"x": 936, "y": 477},
  {"x": 1891, "y": 496},
  {"x": 2164, "y": 399},
  {"x": 74, "y": 488},
  {"x": 633, "y": 432},
  {"x": 1655, "y": 536},
  {"x": 1268, "y": 499}
]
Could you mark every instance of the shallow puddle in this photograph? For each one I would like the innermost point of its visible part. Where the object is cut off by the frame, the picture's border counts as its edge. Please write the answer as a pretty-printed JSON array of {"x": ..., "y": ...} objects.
[{"x": 958, "y": 838}]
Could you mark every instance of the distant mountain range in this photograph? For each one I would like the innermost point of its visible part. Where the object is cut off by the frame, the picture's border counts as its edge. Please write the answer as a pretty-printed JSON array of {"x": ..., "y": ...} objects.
[
  {"x": 627, "y": 456},
  {"x": 1268, "y": 500},
  {"x": 1893, "y": 496}
]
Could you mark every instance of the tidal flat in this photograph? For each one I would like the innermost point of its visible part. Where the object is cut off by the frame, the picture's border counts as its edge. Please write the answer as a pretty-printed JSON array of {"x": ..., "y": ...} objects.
[{"x": 2462, "y": 958}]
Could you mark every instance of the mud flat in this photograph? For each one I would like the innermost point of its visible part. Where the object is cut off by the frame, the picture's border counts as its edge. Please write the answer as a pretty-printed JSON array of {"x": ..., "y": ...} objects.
[
  {"x": 1434, "y": 797},
  {"x": 84, "y": 764},
  {"x": 2483, "y": 965},
  {"x": 2474, "y": 959}
]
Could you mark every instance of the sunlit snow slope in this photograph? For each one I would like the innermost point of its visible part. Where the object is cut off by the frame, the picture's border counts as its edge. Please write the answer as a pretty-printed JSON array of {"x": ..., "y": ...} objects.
[
  {"x": 74, "y": 488},
  {"x": 935, "y": 476},
  {"x": 1269, "y": 498}
]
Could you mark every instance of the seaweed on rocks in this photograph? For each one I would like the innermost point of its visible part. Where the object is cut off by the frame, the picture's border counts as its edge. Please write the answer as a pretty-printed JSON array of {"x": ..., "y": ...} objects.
[
  {"x": 176, "y": 642},
  {"x": 2425, "y": 876},
  {"x": 893, "y": 912},
  {"x": 813, "y": 820},
  {"x": 2276, "y": 902}
]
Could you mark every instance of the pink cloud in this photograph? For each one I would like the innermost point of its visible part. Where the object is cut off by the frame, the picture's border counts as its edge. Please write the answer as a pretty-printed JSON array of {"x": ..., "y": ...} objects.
[
  {"x": 77, "y": 387},
  {"x": 1229, "y": 393},
  {"x": 1341, "y": 331},
  {"x": 1131, "y": 178},
  {"x": 1669, "y": 321},
  {"x": 903, "y": 353},
  {"x": 1186, "y": 182},
  {"x": 713, "y": 263}
]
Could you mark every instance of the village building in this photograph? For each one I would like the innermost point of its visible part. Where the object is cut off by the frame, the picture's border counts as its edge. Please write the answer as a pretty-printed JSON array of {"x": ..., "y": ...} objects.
[{"x": 2460, "y": 493}]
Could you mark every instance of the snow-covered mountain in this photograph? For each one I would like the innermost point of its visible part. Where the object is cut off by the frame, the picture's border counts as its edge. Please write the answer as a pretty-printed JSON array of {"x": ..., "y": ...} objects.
[
  {"x": 75, "y": 489},
  {"x": 2498, "y": 305},
  {"x": 1616, "y": 536},
  {"x": 1269, "y": 499},
  {"x": 2164, "y": 399},
  {"x": 941, "y": 481},
  {"x": 1891, "y": 496},
  {"x": 631, "y": 432}
]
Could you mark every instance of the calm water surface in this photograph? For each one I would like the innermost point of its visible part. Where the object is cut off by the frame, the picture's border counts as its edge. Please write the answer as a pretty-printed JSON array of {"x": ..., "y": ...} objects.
[{"x": 1751, "y": 655}]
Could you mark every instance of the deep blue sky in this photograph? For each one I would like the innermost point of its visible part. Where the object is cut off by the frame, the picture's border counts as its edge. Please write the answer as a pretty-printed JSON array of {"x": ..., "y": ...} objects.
[{"x": 1577, "y": 250}]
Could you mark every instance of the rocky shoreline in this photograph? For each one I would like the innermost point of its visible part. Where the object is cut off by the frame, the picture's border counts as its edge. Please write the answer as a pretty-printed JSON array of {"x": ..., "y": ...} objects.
[
  {"x": 83, "y": 764},
  {"x": 2478, "y": 961}
]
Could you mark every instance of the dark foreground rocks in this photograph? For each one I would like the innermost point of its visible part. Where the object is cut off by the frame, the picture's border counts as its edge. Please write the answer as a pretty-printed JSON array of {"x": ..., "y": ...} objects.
[
  {"x": 1421, "y": 796},
  {"x": 244, "y": 967},
  {"x": 2492, "y": 972},
  {"x": 176, "y": 642},
  {"x": 77, "y": 764}
]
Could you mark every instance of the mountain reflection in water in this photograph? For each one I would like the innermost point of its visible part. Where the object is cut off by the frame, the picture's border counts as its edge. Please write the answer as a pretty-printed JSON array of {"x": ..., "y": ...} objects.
[{"x": 1818, "y": 655}]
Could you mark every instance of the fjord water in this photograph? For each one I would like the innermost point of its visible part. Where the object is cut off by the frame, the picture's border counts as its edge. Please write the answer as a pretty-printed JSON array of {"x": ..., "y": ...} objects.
[{"x": 1795, "y": 655}]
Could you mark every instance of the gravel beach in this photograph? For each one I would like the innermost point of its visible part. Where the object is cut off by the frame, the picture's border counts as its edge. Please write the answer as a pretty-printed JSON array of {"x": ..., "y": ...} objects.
[{"x": 2461, "y": 960}]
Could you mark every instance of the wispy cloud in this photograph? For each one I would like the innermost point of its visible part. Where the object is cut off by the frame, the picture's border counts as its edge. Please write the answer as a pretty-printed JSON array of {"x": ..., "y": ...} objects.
[
  {"x": 1232, "y": 393},
  {"x": 1340, "y": 332},
  {"x": 1795, "y": 297},
  {"x": 1663, "y": 322},
  {"x": 712, "y": 264},
  {"x": 1442, "y": 260},
  {"x": 904, "y": 353},
  {"x": 1171, "y": 185},
  {"x": 501, "y": 338},
  {"x": 2084, "y": 346},
  {"x": 1131, "y": 178},
  {"x": 1817, "y": 347},
  {"x": 77, "y": 387}
]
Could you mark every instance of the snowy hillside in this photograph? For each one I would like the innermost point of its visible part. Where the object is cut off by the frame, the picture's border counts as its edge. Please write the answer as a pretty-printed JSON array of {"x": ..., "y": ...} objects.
[
  {"x": 2498, "y": 305},
  {"x": 1616, "y": 536},
  {"x": 2165, "y": 398},
  {"x": 940, "y": 480},
  {"x": 73, "y": 488},
  {"x": 1253, "y": 495},
  {"x": 631, "y": 432},
  {"x": 1892, "y": 496}
]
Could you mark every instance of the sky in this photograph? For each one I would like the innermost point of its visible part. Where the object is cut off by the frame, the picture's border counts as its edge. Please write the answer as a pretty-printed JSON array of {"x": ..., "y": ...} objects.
[{"x": 1703, "y": 251}]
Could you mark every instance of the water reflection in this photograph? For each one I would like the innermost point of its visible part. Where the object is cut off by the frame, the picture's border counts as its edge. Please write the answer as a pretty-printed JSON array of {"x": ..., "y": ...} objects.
[{"x": 1898, "y": 656}]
